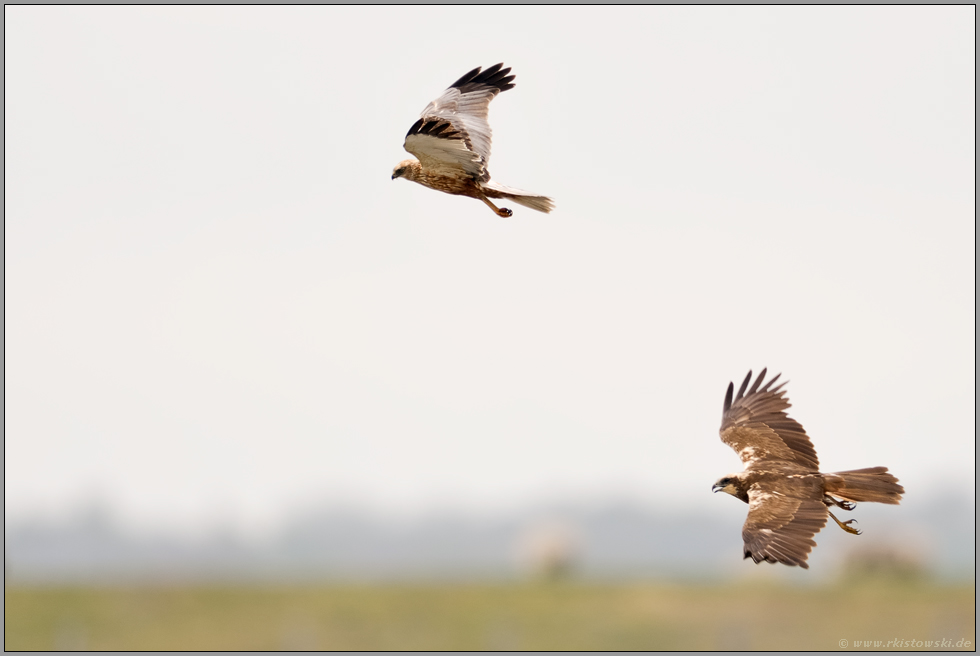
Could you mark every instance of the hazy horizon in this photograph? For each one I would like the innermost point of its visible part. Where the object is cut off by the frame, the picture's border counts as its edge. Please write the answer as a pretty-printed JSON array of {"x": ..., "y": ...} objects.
[{"x": 928, "y": 537}]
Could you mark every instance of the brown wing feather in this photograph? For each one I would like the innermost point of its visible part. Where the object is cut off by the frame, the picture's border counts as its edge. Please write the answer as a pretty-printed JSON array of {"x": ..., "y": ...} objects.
[
  {"x": 754, "y": 423},
  {"x": 780, "y": 529}
]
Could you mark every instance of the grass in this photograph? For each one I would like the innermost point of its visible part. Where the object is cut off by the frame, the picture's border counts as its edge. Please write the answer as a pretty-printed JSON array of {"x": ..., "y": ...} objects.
[{"x": 565, "y": 615}]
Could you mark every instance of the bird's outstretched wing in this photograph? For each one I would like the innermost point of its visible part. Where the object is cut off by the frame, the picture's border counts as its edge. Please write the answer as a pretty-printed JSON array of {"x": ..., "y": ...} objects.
[
  {"x": 756, "y": 426},
  {"x": 780, "y": 529},
  {"x": 453, "y": 132}
]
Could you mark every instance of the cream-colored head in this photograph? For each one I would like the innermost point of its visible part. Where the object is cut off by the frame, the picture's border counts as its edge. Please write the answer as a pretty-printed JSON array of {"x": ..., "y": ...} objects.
[
  {"x": 732, "y": 485},
  {"x": 405, "y": 169}
]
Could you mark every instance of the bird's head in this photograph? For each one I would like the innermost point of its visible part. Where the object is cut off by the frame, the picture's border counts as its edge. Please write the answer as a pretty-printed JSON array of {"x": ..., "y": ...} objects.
[
  {"x": 732, "y": 485},
  {"x": 404, "y": 169}
]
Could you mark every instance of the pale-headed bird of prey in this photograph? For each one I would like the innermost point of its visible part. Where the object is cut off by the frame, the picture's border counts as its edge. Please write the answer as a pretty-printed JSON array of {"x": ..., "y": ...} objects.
[
  {"x": 789, "y": 499},
  {"x": 452, "y": 143}
]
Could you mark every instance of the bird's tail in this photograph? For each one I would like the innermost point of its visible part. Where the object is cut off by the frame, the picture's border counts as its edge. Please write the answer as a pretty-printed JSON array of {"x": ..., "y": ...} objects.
[
  {"x": 525, "y": 198},
  {"x": 871, "y": 484}
]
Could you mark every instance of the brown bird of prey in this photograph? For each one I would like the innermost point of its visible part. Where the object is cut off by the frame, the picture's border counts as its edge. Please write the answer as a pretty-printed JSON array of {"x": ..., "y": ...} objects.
[
  {"x": 789, "y": 499},
  {"x": 452, "y": 143}
]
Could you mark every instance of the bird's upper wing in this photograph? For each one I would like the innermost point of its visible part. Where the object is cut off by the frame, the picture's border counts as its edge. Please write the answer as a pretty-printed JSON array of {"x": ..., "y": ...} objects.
[
  {"x": 779, "y": 529},
  {"x": 453, "y": 132},
  {"x": 757, "y": 427}
]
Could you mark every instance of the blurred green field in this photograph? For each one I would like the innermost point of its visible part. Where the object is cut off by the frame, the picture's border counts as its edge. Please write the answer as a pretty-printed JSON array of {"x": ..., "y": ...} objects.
[{"x": 569, "y": 615}]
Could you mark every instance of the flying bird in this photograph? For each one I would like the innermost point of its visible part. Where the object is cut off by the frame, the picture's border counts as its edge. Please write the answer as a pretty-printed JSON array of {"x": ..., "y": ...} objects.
[
  {"x": 789, "y": 499},
  {"x": 452, "y": 143}
]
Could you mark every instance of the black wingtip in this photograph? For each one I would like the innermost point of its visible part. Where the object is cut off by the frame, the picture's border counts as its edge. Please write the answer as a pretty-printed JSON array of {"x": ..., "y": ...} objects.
[
  {"x": 728, "y": 397},
  {"x": 495, "y": 76},
  {"x": 466, "y": 78},
  {"x": 435, "y": 127},
  {"x": 415, "y": 127}
]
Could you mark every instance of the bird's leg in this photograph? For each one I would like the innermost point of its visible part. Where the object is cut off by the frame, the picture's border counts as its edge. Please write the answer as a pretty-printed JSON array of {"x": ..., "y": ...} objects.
[
  {"x": 845, "y": 525},
  {"x": 843, "y": 505},
  {"x": 500, "y": 211}
]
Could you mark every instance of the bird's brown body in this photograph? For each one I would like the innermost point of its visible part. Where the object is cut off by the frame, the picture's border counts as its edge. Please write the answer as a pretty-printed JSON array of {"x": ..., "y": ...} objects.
[
  {"x": 803, "y": 486},
  {"x": 872, "y": 484},
  {"x": 451, "y": 184}
]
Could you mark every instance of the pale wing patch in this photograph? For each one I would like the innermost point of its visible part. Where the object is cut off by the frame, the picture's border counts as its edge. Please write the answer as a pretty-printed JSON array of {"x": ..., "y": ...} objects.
[
  {"x": 759, "y": 498},
  {"x": 755, "y": 444},
  {"x": 444, "y": 106},
  {"x": 468, "y": 113},
  {"x": 444, "y": 155}
]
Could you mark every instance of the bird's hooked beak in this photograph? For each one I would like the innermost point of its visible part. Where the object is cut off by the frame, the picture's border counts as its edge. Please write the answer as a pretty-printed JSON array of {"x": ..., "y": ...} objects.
[{"x": 724, "y": 484}]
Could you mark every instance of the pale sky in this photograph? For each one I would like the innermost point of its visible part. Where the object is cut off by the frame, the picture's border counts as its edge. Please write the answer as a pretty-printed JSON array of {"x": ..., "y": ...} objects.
[{"x": 218, "y": 306}]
